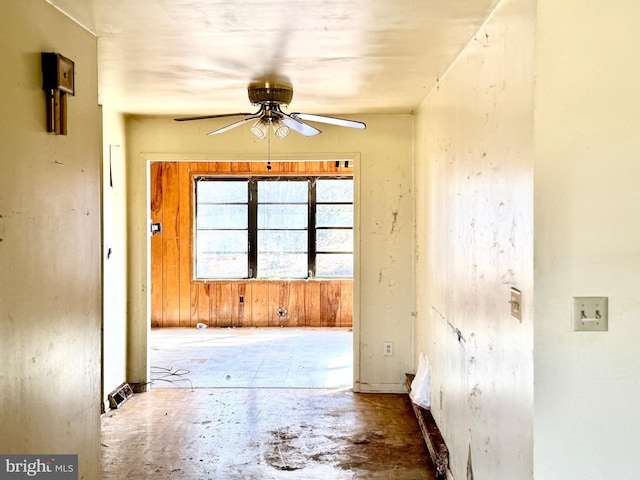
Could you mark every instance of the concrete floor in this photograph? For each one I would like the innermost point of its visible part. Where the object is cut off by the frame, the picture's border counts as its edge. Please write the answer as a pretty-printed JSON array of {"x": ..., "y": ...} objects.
[
  {"x": 251, "y": 357},
  {"x": 263, "y": 434}
]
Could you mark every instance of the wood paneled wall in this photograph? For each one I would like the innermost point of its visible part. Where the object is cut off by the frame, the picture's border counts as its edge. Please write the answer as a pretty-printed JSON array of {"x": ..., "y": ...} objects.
[{"x": 179, "y": 301}]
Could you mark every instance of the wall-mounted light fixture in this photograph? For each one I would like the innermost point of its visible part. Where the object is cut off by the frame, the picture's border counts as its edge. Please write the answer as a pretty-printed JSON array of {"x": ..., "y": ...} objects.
[{"x": 58, "y": 81}]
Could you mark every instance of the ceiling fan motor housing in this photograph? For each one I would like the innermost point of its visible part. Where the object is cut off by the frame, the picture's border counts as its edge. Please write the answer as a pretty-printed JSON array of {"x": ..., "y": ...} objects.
[{"x": 265, "y": 93}]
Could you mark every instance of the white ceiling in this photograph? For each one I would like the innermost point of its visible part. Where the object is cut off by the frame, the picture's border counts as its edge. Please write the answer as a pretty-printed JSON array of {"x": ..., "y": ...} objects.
[{"x": 341, "y": 56}]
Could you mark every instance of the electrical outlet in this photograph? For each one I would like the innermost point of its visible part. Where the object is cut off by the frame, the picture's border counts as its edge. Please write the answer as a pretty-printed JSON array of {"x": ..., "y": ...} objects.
[{"x": 388, "y": 348}]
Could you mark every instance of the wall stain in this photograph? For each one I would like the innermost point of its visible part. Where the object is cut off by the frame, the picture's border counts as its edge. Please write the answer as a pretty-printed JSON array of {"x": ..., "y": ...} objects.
[
  {"x": 483, "y": 41},
  {"x": 475, "y": 391},
  {"x": 471, "y": 367},
  {"x": 394, "y": 221},
  {"x": 395, "y": 212},
  {"x": 507, "y": 278},
  {"x": 473, "y": 398},
  {"x": 487, "y": 442},
  {"x": 456, "y": 331}
]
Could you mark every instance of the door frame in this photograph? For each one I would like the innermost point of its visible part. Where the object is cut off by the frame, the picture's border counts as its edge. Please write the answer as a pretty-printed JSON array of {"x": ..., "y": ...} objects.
[{"x": 352, "y": 157}]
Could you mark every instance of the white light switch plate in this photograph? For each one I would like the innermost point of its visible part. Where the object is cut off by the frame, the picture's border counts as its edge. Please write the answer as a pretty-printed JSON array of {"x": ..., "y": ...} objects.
[
  {"x": 516, "y": 304},
  {"x": 590, "y": 314}
]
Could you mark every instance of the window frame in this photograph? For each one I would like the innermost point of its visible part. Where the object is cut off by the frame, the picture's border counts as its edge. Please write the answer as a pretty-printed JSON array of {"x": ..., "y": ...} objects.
[{"x": 252, "y": 228}]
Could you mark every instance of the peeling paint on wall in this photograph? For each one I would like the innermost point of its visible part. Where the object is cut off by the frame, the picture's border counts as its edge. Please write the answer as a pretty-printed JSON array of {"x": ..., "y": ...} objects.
[{"x": 469, "y": 465}]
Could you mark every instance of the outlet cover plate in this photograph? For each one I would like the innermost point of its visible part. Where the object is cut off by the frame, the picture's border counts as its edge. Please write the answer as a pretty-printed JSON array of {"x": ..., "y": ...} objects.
[{"x": 590, "y": 314}]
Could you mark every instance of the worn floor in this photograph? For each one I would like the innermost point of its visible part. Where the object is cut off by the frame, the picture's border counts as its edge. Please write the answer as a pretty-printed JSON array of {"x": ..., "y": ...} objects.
[
  {"x": 252, "y": 357},
  {"x": 263, "y": 434}
]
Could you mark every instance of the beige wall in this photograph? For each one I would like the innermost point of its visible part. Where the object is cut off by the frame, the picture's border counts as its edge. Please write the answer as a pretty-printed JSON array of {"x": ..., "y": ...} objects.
[
  {"x": 474, "y": 226},
  {"x": 569, "y": 412},
  {"x": 114, "y": 253},
  {"x": 383, "y": 287},
  {"x": 587, "y": 223},
  {"x": 49, "y": 245}
]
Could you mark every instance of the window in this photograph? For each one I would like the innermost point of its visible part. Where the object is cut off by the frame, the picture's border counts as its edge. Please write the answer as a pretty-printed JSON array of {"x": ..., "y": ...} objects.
[
  {"x": 283, "y": 229},
  {"x": 264, "y": 227},
  {"x": 334, "y": 228},
  {"x": 222, "y": 229}
]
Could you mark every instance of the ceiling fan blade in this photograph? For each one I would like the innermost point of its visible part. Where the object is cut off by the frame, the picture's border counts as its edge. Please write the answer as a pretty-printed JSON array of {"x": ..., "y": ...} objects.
[
  {"x": 234, "y": 125},
  {"x": 299, "y": 126},
  {"x": 206, "y": 117},
  {"x": 341, "y": 122}
]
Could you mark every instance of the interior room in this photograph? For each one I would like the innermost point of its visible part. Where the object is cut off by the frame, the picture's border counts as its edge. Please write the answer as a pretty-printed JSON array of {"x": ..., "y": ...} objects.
[
  {"x": 495, "y": 213},
  {"x": 299, "y": 305}
]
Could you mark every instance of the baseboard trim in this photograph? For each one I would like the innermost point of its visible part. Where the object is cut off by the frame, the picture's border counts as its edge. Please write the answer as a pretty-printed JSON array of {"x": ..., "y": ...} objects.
[{"x": 433, "y": 438}]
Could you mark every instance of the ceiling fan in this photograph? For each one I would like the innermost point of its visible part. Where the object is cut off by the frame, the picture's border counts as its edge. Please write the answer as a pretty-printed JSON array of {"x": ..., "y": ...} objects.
[{"x": 270, "y": 97}]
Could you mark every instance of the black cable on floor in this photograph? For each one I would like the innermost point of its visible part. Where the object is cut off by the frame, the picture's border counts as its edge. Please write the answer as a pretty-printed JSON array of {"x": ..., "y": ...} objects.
[{"x": 164, "y": 374}]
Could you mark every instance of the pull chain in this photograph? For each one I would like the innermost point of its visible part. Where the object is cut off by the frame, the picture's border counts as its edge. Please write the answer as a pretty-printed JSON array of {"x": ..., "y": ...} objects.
[{"x": 269, "y": 147}]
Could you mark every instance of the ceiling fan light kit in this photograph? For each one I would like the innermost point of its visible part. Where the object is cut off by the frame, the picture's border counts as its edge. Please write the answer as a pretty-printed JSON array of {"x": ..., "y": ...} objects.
[
  {"x": 269, "y": 97},
  {"x": 280, "y": 129},
  {"x": 260, "y": 128}
]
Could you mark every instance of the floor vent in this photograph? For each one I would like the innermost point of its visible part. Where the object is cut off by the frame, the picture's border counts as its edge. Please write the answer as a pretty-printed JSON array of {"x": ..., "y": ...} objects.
[{"x": 120, "y": 395}]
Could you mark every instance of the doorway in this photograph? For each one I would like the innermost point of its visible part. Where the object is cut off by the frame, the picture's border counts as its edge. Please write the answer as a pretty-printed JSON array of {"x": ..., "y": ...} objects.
[{"x": 234, "y": 333}]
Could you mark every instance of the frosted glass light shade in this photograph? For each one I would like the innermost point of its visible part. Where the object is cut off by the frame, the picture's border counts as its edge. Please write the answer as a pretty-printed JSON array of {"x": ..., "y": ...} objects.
[
  {"x": 280, "y": 129},
  {"x": 260, "y": 128}
]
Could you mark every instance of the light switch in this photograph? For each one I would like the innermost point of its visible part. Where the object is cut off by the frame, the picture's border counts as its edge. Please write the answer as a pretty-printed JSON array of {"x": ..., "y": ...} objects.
[
  {"x": 590, "y": 314},
  {"x": 516, "y": 304}
]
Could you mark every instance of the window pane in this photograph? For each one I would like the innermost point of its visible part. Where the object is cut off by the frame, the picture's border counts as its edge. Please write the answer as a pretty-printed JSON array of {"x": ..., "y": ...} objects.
[
  {"x": 283, "y": 192},
  {"x": 334, "y": 215},
  {"x": 222, "y": 266},
  {"x": 221, "y": 229},
  {"x": 334, "y": 240},
  {"x": 334, "y": 190},
  {"x": 222, "y": 254},
  {"x": 282, "y": 241},
  {"x": 334, "y": 265},
  {"x": 286, "y": 265},
  {"x": 222, "y": 191},
  {"x": 282, "y": 216},
  {"x": 222, "y": 216},
  {"x": 222, "y": 241}
]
